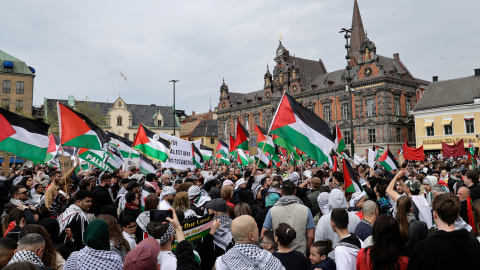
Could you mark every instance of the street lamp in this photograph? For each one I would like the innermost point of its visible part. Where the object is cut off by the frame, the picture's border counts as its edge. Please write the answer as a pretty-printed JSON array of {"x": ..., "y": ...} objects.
[
  {"x": 349, "y": 87},
  {"x": 174, "y": 118}
]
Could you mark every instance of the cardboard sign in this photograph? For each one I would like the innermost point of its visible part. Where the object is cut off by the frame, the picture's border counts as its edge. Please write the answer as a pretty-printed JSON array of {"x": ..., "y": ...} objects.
[
  {"x": 6, "y": 164},
  {"x": 66, "y": 163}
]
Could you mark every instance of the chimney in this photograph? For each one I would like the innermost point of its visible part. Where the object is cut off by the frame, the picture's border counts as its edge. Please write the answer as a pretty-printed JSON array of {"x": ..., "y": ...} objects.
[
  {"x": 193, "y": 113},
  {"x": 477, "y": 71},
  {"x": 435, "y": 78},
  {"x": 396, "y": 56}
]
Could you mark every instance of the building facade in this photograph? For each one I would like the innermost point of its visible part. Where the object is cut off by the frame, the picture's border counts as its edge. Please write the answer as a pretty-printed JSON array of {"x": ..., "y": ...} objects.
[
  {"x": 448, "y": 112},
  {"x": 121, "y": 118},
  {"x": 385, "y": 92},
  {"x": 206, "y": 133},
  {"x": 17, "y": 84}
]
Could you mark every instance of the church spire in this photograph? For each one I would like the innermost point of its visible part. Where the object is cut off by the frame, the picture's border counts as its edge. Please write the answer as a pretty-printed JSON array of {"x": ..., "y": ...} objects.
[{"x": 358, "y": 33}]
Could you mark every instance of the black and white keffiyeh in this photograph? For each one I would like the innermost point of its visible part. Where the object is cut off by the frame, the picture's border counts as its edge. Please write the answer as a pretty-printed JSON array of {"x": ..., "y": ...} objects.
[
  {"x": 92, "y": 259},
  {"x": 248, "y": 256},
  {"x": 143, "y": 219},
  {"x": 285, "y": 200},
  {"x": 274, "y": 190},
  {"x": 72, "y": 212},
  {"x": 223, "y": 236},
  {"x": 167, "y": 191},
  {"x": 170, "y": 231},
  {"x": 26, "y": 256}
]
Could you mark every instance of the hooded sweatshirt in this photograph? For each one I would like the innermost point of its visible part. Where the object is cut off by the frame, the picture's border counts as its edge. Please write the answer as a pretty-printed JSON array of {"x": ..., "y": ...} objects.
[{"x": 324, "y": 230}]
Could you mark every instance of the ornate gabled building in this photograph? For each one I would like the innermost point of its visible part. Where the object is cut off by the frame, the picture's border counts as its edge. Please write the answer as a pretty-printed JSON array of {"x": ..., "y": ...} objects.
[{"x": 385, "y": 92}]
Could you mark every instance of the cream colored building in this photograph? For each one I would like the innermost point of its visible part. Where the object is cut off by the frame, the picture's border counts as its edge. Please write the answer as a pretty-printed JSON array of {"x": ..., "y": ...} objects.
[
  {"x": 124, "y": 119},
  {"x": 448, "y": 112},
  {"x": 16, "y": 79}
]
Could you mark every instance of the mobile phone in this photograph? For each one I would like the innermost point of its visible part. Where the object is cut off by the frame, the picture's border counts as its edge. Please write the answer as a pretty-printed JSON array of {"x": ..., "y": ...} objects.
[{"x": 160, "y": 215}]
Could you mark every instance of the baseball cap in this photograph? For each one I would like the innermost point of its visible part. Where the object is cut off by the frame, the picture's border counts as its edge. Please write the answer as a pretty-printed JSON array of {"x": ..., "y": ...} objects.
[
  {"x": 143, "y": 256},
  {"x": 217, "y": 204}
]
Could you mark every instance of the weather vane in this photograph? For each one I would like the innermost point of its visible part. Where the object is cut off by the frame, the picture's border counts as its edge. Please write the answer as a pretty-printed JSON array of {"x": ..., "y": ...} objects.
[{"x": 280, "y": 36}]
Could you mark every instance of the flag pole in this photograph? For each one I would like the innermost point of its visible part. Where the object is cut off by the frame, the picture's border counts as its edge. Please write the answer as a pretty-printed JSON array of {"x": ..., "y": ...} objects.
[
  {"x": 128, "y": 159},
  {"x": 63, "y": 171},
  {"x": 119, "y": 72}
]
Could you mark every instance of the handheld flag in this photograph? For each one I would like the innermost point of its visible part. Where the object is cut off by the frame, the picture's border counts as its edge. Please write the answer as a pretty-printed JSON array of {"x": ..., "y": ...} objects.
[
  {"x": 151, "y": 144},
  {"x": 123, "y": 145},
  {"x": 387, "y": 160},
  {"x": 222, "y": 152},
  {"x": 23, "y": 137},
  {"x": 242, "y": 157},
  {"x": 146, "y": 165},
  {"x": 241, "y": 138},
  {"x": 197, "y": 157},
  {"x": 286, "y": 145},
  {"x": 206, "y": 152},
  {"x": 351, "y": 181},
  {"x": 53, "y": 146},
  {"x": 303, "y": 128},
  {"x": 232, "y": 145},
  {"x": 77, "y": 130},
  {"x": 339, "y": 141},
  {"x": 264, "y": 140}
]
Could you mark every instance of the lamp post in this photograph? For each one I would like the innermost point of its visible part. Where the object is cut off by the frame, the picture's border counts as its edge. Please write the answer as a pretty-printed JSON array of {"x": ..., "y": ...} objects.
[
  {"x": 174, "y": 116},
  {"x": 349, "y": 87}
]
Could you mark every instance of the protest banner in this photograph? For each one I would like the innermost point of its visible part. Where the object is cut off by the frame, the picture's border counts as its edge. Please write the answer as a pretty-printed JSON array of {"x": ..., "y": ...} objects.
[
  {"x": 196, "y": 228},
  {"x": 6, "y": 164},
  {"x": 180, "y": 156}
]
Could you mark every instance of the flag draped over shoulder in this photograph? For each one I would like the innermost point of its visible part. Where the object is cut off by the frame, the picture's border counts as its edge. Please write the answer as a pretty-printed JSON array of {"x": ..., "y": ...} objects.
[
  {"x": 241, "y": 138},
  {"x": 23, "y": 137},
  {"x": 197, "y": 157},
  {"x": 351, "y": 181},
  {"x": 77, "y": 130},
  {"x": 387, "y": 160},
  {"x": 123, "y": 145},
  {"x": 146, "y": 166},
  {"x": 151, "y": 144},
  {"x": 339, "y": 141},
  {"x": 263, "y": 139},
  {"x": 303, "y": 128}
]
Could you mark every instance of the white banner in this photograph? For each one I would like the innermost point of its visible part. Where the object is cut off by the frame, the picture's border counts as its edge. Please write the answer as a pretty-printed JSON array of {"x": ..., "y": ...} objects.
[
  {"x": 180, "y": 156},
  {"x": 371, "y": 158},
  {"x": 359, "y": 159}
]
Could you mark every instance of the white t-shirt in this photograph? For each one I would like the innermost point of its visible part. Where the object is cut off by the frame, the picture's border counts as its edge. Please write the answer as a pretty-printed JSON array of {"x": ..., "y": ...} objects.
[
  {"x": 167, "y": 260},
  {"x": 164, "y": 205}
]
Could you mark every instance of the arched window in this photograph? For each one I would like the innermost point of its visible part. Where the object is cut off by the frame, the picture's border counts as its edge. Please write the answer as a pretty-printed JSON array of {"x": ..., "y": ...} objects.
[{"x": 119, "y": 121}]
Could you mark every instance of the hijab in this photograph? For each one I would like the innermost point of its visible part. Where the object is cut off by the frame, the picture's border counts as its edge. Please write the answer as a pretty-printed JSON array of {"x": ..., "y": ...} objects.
[{"x": 97, "y": 236}]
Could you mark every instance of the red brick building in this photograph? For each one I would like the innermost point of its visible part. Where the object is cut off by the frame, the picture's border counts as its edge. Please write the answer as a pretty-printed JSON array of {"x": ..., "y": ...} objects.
[{"x": 385, "y": 93}]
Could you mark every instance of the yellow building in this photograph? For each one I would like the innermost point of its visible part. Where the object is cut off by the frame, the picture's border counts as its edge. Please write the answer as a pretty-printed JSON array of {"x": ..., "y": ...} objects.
[
  {"x": 448, "y": 111},
  {"x": 206, "y": 133},
  {"x": 17, "y": 84}
]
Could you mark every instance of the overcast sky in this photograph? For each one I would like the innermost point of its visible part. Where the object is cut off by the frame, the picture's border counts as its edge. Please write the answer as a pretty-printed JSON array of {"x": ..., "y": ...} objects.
[{"x": 78, "y": 47}]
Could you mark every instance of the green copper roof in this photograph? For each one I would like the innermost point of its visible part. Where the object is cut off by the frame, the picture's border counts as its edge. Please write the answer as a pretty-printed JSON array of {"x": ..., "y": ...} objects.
[{"x": 19, "y": 67}]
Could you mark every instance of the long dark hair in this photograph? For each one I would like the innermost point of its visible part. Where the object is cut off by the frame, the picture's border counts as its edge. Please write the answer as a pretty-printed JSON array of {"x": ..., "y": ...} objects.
[
  {"x": 404, "y": 204},
  {"x": 387, "y": 244}
]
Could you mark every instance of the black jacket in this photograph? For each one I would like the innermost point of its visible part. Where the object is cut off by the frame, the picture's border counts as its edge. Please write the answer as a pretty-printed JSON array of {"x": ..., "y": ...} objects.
[
  {"x": 101, "y": 197},
  {"x": 446, "y": 250},
  {"x": 475, "y": 192},
  {"x": 417, "y": 231},
  {"x": 185, "y": 257},
  {"x": 261, "y": 216}
]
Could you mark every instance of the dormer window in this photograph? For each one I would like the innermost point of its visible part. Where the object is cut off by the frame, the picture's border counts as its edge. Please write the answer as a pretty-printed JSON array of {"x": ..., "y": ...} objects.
[{"x": 159, "y": 123}]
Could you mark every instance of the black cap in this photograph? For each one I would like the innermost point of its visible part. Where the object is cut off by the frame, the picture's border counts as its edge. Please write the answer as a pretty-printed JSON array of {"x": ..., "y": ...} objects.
[
  {"x": 217, "y": 204},
  {"x": 150, "y": 176},
  {"x": 132, "y": 185}
]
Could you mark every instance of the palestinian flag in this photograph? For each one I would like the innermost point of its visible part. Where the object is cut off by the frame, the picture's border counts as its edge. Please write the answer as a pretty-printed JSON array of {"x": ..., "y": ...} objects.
[
  {"x": 387, "y": 160},
  {"x": 262, "y": 160},
  {"x": 286, "y": 145},
  {"x": 197, "y": 157},
  {"x": 335, "y": 163},
  {"x": 95, "y": 157},
  {"x": 77, "y": 130},
  {"x": 222, "y": 152},
  {"x": 53, "y": 146},
  {"x": 114, "y": 158},
  {"x": 472, "y": 156},
  {"x": 241, "y": 138},
  {"x": 23, "y": 137},
  {"x": 123, "y": 145},
  {"x": 146, "y": 166},
  {"x": 339, "y": 142},
  {"x": 262, "y": 140},
  {"x": 151, "y": 144},
  {"x": 351, "y": 181},
  {"x": 232, "y": 144},
  {"x": 242, "y": 157},
  {"x": 379, "y": 151},
  {"x": 303, "y": 128},
  {"x": 207, "y": 152}
]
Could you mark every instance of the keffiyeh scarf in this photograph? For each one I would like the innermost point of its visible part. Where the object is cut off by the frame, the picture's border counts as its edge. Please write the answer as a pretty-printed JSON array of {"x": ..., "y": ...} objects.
[
  {"x": 248, "y": 256},
  {"x": 285, "y": 200},
  {"x": 88, "y": 258},
  {"x": 222, "y": 236},
  {"x": 170, "y": 231},
  {"x": 69, "y": 215},
  {"x": 25, "y": 255}
]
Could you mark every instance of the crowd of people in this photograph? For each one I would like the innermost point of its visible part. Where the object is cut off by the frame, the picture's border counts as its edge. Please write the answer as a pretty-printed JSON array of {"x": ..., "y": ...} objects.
[{"x": 425, "y": 215}]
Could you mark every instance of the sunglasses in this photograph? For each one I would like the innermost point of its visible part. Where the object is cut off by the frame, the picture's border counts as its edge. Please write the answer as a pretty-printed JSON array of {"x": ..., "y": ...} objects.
[
  {"x": 25, "y": 192},
  {"x": 131, "y": 227}
]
